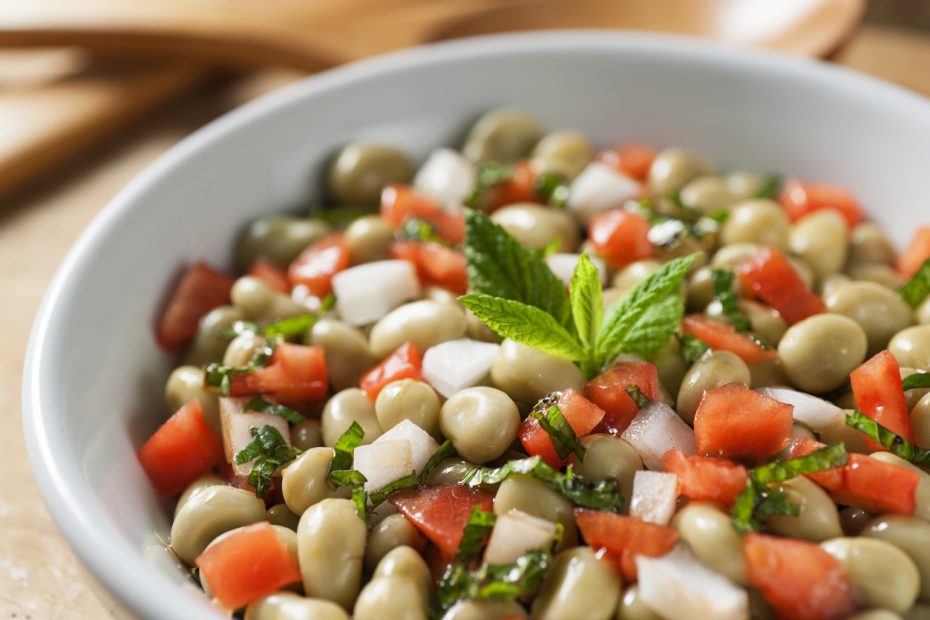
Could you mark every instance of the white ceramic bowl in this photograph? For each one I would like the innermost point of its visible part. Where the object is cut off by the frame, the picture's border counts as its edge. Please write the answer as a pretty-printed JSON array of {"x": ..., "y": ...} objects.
[{"x": 93, "y": 381}]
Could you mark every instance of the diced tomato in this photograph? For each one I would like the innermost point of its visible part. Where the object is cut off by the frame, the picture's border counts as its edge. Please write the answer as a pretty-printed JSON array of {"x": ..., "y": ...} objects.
[
  {"x": 879, "y": 394},
  {"x": 520, "y": 187},
  {"x": 723, "y": 337},
  {"x": 200, "y": 290},
  {"x": 316, "y": 266},
  {"x": 580, "y": 413},
  {"x": 916, "y": 253},
  {"x": 800, "y": 580},
  {"x": 247, "y": 564},
  {"x": 864, "y": 482},
  {"x": 705, "y": 478},
  {"x": 435, "y": 264},
  {"x": 633, "y": 160},
  {"x": 296, "y": 375},
  {"x": 607, "y": 391},
  {"x": 404, "y": 363},
  {"x": 624, "y": 537},
  {"x": 800, "y": 199},
  {"x": 737, "y": 423},
  {"x": 771, "y": 277},
  {"x": 271, "y": 274},
  {"x": 441, "y": 512},
  {"x": 620, "y": 237},
  {"x": 399, "y": 203},
  {"x": 181, "y": 450}
]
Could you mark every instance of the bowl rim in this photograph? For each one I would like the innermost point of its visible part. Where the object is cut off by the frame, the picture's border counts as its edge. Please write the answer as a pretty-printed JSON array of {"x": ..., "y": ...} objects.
[{"x": 65, "y": 493}]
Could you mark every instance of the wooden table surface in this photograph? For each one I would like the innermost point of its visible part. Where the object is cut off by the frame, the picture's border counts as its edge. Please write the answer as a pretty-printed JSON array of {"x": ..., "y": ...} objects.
[{"x": 39, "y": 577}]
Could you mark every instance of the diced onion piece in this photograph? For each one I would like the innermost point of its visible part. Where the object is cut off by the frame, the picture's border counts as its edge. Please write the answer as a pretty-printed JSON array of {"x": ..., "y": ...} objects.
[
  {"x": 457, "y": 364},
  {"x": 383, "y": 462},
  {"x": 655, "y": 430},
  {"x": 366, "y": 293},
  {"x": 422, "y": 445},
  {"x": 563, "y": 265},
  {"x": 599, "y": 188},
  {"x": 815, "y": 413},
  {"x": 654, "y": 496},
  {"x": 446, "y": 177},
  {"x": 237, "y": 424},
  {"x": 678, "y": 587},
  {"x": 516, "y": 533}
]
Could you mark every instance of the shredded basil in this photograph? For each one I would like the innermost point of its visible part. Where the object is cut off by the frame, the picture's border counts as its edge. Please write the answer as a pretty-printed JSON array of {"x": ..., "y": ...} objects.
[
  {"x": 446, "y": 450},
  {"x": 270, "y": 451},
  {"x": 722, "y": 280},
  {"x": 420, "y": 231},
  {"x": 916, "y": 381},
  {"x": 263, "y": 406},
  {"x": 888, "y": 439},
  {"x": 344, "y": 449},
  {"x": 553, "y": 189},
  {"x": 692, "y": 348},
  {"x": 406, "y": 482},
  {"x": 638, "y": 396},
  {"x": 489, "y": 174},
  {"x": 220, "y": 375},
  {"x": 917, "y": 288},
  {"x": 550, "y": 418}
]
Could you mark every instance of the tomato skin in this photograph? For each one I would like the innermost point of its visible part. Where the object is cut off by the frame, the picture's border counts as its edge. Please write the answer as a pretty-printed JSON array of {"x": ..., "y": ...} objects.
[
  {"x": 404, "y": 363},
  {"x": 441, "y": 512},
  {"x": 771, "y": 277},
  {"x": 864, "y": 482},
  {"x": 247, "y": 564},
  {"x": 879, "y": 394},
  {"x": 199, "y": 290},
  {"x": 704, "y": 478},
  {"x": 271, "y": 274},
  {"x": 737, "y": 423},
  {"x": 800, "y": 199},
  {"x": 400, "y": 203},
  {"x": 607, "y": 391},
  {"x": 624, "y": 537},
  {"x": 296, "y": 375},
  {"x": 620, "y": 237},
  {"x": 316, "y": 266},
  {"x": 435, "y": 264},
  {"x": 917, "y": 252},
  {"x": 800, "y": 580},
  {"x": 582, "y": 416},
  {"x": 633, "y": 160},
  {"x": 181, "y": 450},
  {"x": 724, "y": 337}
]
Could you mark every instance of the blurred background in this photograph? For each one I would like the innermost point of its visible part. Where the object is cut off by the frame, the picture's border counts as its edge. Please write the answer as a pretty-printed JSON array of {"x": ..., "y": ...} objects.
[{"x": 92, "y": 91}]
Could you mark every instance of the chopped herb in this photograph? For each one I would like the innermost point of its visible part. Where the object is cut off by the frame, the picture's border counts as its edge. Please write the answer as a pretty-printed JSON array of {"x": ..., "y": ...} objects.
[
  {"x": 289, "y": 328},
  {"x": 888, "y": 439},
  {"x": 446, "y": 450},
  {"x": 490, "y": 174},
  {"x": 769, "y": 188},
  {"x": 347, "y": 478},
  {"x": 455, "y": 581},
  {"x": 692, "y": 349},
  {"x": 270, "y": 451},
  {"x": 722, "y": 280},
  {"x": 263, "y": 406},
  {"x": 917, "y": 288},
  {"x": 421, "y": 231},
  {"x": 360, "y": 499},
  {"x": 344, "y": 449},
  {"x": 406, "y": 482},
  {"x": 563, "y": 438},
  {"x": 220, "y": 375},
  {"x": 552, "y": 188},
  {"x": 916, "y": 381},
  {"x": 637, "y": 395}
]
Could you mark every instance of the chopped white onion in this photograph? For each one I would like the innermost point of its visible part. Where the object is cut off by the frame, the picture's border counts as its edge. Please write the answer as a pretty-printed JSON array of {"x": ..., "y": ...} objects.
[
  {"x": 422, "y": 445},
  {"x": 563, "y": 265},
  {"x": 655, "y": 430},
  {"x": 815, "y": 413},
  {"x": 446, "y": 177},
  {"x": 600, "y": 188},
  {"x": 678, "y": 587},
  {"x": 383, "y": 462},
  {"x": 237, "y": 424},
  {"x": 367, "y": 292},
  {"x": 516, "y": 532},
  {"x": 457, "y": 364},
  {"x": 654, "y": 496}
]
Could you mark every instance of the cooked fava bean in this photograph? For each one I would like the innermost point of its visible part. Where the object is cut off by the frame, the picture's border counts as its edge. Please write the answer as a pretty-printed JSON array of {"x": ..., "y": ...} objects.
[
  {"x": 307, "y": 435},
  {"x": 535, "y": 498},
  {"x": 345, "y": 407},
  {"x": 911, "y": 347},
  {"x": 731, "y": 255},
  {"x": 608, "y": 457},
  {"x": 875, "y": 614},
  {"x": 562, "y": 152},
  {"x": 259, "y": 302},
  {"x": 369, "y": 239},
  {"x": 330, "y": 545},
  {"x": 304, "y": 482},
  {"x": 757, "y": 221},
  {"x": 534, "y": 226},
  {"x": 882, "y": 573},
  {"x": 450, "y": 471},
  {"x": 672, "y": 168},
  {"x": 203, "y": 482},
  {"x": 210, "y": 512},
  {"x": 745, "y": 184},
  {"x": 390, "y": 597},
  {"x": 408, "y": 399},
  {"x": 527, "y": 374},
  {"x": 481, "y": 423},
  {"x": 281, "y": 515},
  {"x": 879, "y": 311},
  {"x": 819, "y": 239},
  {"x": 406, "y": 562},
  {"x": 346, "y": 349},
  {"x": 712, "y": 538},
  {"x": 912, "y": 397},
  {"x": 922, "y": 495},
  {"x": 831, "y": 283},
  {"x": 278, "y": 238},
  {"x": 360, "y": 171},
  {"x": 869, "y": 244},
  {"x": 671, "y": 367},
  {"x": 819, "y": 352},
  {"x": 424, "y": 323},
  {"x": 213, "y": 335},
  {"x": 485, "y": 610},
  {"x": 185, "y": 383},
  {"x": 909, "y": 534},
  {"x": 503, "y": 135},
  {"x": 287, "y": 606},
  {"x": 700, "y": 289},
  {"x": 391, "y": 533},
  {"x": 819, "y": 519},
  {"x": 632, "y": 606},
  {"x": 853, "y": 520},
  {"x": 920, "y": 420},
  {"x": 767, "y": 374},
  {"x": 707, "y": 194},
  {"x": 878, "y": 273},
  {"x": 922, "y": 314},
  {"x": 766, "y": 322},
  {"x": 241, "y": 349},
  {"x": 634, "y": 273},
  {"x": 714, "y": 370},
  {"x": 578, "y": 586},
  {"x": 854, "y": 440}
]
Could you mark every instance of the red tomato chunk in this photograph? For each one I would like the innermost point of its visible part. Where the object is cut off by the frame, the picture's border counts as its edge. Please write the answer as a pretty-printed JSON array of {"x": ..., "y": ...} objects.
[
  {"x": 620, "y": 237},
  {"x": 271, "y": 274},
  {"x": 404, "y": 363},
  {"x": 723, "y": 337},
  {"x": 316, "y": 266},
  {"x": 916, "y": 253},
  {"x": 624, "y": 537},
  {"x": 200, "y": 290},
  {"x": 400, "y": 203},
  {"x": 800, "y": 199},
  {"x": 435, "y": 265},
  {"x": 771, "y": 278},
  {"x": 296, "y": 375},
  {"x": 582, "y": 416},
  {"x": 879, "y": 394},
  {"x": 607, "y": 391},
  {"x": 704, "y": 478},
  {"x": 633, "y": 160}
]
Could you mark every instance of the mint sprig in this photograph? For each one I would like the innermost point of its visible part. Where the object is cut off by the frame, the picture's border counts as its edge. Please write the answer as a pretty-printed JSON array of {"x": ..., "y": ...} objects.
[{"x": 917, "y": 288}]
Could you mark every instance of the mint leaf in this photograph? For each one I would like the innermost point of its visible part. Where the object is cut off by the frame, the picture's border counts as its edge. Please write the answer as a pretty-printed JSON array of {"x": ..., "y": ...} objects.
[
  {"x": 916, "y": 381},
  {"x": 499, "y": 266},
  {"x": 586, "y": 301},
  {"x": 524, "y": 323},
  {"x": 917, "y": 288},
  {"x": 692, "y": 348},
  {"x": 888, "y": 439}
]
